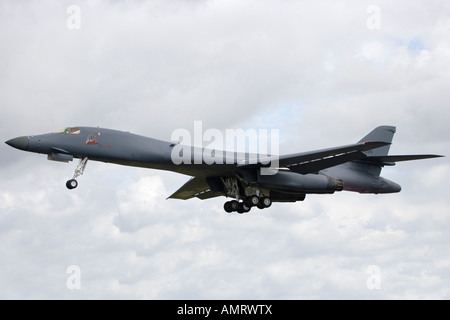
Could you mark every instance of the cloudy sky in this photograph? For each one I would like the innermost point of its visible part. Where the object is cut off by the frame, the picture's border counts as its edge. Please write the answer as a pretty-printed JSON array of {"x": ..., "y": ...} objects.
[{"x": 324, "y": 73}]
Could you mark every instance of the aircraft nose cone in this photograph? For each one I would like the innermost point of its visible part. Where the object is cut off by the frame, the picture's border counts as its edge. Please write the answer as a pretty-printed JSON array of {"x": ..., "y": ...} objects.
[{"x": 19, "y": 143}]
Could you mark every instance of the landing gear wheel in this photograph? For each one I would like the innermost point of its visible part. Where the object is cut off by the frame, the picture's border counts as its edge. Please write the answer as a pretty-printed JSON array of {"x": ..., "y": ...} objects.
[
  {"x": 252, "y": 201},
  {"x": 227, "y": 207},
  {"x": 234, "y": 205},
  {"x": 242, "y": 208},
  {"x": 266, "y": 202},
  {"x": 71, "y": 184}
]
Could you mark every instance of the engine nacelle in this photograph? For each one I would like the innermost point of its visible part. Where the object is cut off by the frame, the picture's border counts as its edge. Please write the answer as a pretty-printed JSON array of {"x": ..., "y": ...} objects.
[{"x": 285, "y": 180}]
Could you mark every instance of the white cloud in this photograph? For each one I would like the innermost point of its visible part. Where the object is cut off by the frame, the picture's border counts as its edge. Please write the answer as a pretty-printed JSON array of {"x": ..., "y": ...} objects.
[{"x": 374, "y": 52}]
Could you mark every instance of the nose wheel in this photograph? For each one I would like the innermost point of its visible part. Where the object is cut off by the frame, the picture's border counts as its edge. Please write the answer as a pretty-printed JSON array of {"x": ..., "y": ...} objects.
[{"x": 73, "y": 183}]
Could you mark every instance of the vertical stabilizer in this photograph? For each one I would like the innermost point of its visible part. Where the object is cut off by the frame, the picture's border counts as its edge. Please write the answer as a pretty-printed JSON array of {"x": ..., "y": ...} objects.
[{"x": 382, "y": 134}]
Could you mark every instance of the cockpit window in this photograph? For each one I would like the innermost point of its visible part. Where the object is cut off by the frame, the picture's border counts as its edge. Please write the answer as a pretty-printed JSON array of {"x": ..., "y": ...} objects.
[{"x": 69, "y": 131}]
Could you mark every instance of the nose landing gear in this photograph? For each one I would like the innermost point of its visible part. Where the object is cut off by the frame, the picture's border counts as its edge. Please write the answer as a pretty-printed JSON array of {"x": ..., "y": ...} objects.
[{"x": 73, "y": 183}]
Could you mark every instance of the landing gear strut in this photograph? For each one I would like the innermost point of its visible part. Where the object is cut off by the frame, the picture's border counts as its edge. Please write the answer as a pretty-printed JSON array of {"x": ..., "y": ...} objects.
[
  {"x": 73, "y": 183},
  {"x": 247, "y": 204}
]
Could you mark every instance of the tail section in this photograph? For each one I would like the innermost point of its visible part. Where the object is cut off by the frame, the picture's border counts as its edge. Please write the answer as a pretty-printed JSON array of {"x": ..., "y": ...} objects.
[
  {"x": 381, "y": 134},
  {"x": 364, "y": 175}
]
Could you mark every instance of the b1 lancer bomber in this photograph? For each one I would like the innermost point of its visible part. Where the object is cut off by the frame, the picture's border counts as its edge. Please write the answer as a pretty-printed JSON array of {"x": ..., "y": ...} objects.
[{"x": 354, "y": 167}]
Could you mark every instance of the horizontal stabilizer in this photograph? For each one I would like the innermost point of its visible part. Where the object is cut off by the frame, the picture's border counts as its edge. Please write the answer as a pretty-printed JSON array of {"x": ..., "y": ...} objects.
[{"x": 383, "y": 160}]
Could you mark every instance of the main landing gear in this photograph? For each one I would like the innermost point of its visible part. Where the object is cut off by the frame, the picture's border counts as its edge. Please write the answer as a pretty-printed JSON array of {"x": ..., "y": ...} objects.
[
  {"x": 247, "y": 204},
  {"x": 73, "y": 183}
]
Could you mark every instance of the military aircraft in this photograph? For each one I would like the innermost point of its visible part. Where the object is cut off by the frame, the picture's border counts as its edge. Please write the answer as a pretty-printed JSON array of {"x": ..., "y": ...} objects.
[{"x": 354, "y": 167}]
